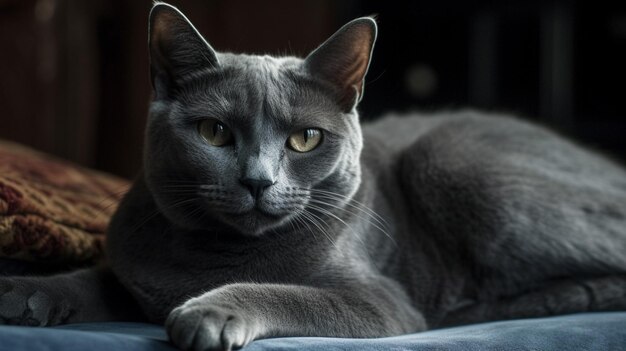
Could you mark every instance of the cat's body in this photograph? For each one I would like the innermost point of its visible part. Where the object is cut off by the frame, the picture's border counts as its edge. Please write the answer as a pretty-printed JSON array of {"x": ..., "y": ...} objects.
[
  {"x": 265, "y": 210},
  {"x": 445, "y": 244}
]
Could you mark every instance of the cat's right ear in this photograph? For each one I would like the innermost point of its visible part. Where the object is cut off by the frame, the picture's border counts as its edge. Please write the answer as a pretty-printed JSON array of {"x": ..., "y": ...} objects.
[
  {"x": 176, "y": 49},
  {"x": 344, "y": 58}
]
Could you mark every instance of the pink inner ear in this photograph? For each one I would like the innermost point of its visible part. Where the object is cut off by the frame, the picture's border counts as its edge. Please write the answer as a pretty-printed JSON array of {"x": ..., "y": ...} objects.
[
  {"x": 163, "y": 26},
  {"x": 356, "y": 70}
]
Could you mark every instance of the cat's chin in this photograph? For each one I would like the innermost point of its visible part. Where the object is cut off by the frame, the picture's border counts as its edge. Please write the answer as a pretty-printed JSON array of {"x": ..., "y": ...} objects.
[{"x": 255, "y": 222}]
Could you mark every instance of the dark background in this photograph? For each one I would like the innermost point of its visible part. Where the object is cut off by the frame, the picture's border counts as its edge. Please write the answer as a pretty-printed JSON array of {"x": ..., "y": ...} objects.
[{"x": 74, "y": 75}]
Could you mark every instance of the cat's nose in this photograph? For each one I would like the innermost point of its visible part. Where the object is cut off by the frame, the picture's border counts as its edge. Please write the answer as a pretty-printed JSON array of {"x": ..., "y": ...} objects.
[{"x": 256, "y": 186}]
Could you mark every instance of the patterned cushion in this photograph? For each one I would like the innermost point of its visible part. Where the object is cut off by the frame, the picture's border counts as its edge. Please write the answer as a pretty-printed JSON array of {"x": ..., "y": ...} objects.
[{"x": 53, "y": 211}]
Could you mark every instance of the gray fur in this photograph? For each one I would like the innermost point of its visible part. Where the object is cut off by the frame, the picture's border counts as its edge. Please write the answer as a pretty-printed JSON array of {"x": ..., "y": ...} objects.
[{"x": 408, "y": 223}]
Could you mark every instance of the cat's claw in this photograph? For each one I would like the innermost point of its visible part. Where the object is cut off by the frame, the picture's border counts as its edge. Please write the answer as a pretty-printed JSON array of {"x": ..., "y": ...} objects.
[
  {"x": 22, "y": 304},
  {"x": 205, "y": 327}
]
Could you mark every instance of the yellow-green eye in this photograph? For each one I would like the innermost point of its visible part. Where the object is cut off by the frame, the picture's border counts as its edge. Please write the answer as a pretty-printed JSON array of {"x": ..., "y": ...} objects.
[
  {"x": 215, "y": 132},
  {"x": 305, "y": 140}
]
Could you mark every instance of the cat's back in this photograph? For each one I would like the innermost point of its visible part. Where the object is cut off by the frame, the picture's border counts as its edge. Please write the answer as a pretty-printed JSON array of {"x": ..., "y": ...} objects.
[
  {"x": 496, "y": 139},
  {"x": 396, "y": 131}
]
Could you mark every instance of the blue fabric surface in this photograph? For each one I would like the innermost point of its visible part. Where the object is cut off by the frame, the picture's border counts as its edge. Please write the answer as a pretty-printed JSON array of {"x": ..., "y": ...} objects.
[{"x": 589, "y": 331}]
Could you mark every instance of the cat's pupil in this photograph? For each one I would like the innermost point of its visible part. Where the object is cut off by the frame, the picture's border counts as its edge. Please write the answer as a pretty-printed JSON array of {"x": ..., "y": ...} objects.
[
  {"x": 307, "y": 133},
  {"x": 214, "y": 132},
  {"x": 218, "y": 128}
]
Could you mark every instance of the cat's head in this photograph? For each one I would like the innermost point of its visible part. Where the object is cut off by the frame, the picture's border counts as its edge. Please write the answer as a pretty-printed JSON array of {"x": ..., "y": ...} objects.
[{"x": 252, "y": 142}]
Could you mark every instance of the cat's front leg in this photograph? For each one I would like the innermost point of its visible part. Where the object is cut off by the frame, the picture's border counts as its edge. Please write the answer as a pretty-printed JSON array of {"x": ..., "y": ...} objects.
[
  {"x": 234, "y": 315},
  {"x": 86, "y": 295},
  {"x": 25, "y": 302}
]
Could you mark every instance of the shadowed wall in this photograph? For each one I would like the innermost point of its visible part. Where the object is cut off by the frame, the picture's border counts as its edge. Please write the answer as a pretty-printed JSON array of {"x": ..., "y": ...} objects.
[{"x": 75, "y": 75}]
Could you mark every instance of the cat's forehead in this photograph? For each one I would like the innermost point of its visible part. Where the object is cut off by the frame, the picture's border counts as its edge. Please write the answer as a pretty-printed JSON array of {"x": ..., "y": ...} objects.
[
  {"x": 248, "y": 87},
  {"x": 262, "y": 64}
]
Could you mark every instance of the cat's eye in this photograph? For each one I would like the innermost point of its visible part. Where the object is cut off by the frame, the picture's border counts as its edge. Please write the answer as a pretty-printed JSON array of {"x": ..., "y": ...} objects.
[
  {"x": 305, "y": 140},
  {"x": 215, "y": 132}
]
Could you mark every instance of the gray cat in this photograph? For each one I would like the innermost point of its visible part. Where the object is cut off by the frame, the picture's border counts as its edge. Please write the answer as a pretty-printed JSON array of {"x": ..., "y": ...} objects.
[{"x": 264, "y": 209}]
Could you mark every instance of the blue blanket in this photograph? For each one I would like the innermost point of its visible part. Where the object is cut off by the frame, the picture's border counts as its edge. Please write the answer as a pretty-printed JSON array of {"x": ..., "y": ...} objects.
[{"x": 588, "y": 331}]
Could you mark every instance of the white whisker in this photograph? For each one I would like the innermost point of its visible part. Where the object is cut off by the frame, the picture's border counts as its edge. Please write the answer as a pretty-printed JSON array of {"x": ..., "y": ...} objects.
[
  {"x": 159, "y": 210},
  {"x": 327, "y": 212},
  {"x": 351, "y": 201},
  {"x": 311, "y": 217},
  {"x": 381, "y": 229}
]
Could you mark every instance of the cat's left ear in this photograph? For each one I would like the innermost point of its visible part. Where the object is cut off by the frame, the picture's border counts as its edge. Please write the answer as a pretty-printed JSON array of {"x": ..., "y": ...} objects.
[
  {"x": 344, "y": 58},
  {"x": 176, "y": 48}
]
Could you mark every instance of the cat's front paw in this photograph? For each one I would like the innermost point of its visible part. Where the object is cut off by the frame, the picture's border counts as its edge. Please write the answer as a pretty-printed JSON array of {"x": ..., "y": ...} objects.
[
  {"x": 24, "y": 303},
  {"x": 206, "y": 324}
]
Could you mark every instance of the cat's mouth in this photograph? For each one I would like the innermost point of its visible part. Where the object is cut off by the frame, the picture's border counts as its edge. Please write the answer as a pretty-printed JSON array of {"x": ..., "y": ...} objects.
[{"x": 250, "y": 216}]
